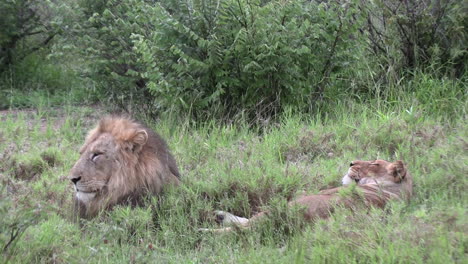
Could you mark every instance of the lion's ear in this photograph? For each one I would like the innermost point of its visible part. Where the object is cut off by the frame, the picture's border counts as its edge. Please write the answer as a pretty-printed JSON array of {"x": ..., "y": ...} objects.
[
  {"x": 139, "y": 140},
  {"x": 399, "y": 169}
]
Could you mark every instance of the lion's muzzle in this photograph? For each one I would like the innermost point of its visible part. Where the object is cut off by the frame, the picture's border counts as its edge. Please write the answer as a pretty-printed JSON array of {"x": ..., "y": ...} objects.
[
  {"x": 75, "y": 179},
  {"x": 85, "y": 197}
]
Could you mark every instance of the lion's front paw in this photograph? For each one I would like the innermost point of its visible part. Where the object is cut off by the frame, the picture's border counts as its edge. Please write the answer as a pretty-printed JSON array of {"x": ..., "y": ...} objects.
[{"x": 228, "y": 219}]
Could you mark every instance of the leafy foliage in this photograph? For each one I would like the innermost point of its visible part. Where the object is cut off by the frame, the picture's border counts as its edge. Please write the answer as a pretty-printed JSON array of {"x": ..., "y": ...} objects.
[
  {"x": 222, "y": 58},
  {"x": 413, "y": 34},
  {"x": 26, "y": 27},
  {"x": 199, "y": 55}
]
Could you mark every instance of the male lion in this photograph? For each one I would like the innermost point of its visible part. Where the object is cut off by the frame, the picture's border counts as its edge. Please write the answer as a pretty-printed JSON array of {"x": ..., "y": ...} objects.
[
  {"x": 120, "y": 162},
  {"x": 377, "y": 182}
]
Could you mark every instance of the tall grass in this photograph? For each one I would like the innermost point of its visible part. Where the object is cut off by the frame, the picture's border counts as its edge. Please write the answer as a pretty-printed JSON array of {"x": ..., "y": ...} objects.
[
  {"x": 40, "y": 82},
  {"x": 236, "y": 168}
]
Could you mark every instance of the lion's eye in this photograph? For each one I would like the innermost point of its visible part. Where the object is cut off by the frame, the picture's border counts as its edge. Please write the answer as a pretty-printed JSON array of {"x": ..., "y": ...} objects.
[
  {"x": 95, "y": 156},
  {"x": 351, "y": 164}
]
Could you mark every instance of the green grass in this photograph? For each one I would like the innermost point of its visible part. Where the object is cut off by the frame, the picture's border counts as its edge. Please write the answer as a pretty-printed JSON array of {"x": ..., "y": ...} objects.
[
  {"x": 37, "y": 82},
  {"x": 243, "y": 170}
]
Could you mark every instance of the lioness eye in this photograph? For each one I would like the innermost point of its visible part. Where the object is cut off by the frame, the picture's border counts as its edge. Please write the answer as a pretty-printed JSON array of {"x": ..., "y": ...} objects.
[{"x": 95, "y": 156}]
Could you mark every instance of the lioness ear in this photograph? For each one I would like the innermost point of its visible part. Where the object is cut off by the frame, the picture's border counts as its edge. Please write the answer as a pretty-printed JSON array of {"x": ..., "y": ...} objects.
[
  {"x": 139, "y": 140},
  {"x": 399, "y": 170}
]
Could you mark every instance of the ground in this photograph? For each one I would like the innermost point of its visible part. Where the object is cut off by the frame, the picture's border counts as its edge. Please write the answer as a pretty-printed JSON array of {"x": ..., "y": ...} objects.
[{"x": 241, "y": 170}]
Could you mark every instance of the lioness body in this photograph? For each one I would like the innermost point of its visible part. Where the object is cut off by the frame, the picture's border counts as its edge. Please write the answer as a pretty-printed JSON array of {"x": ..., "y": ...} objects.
[
  {"x": 120, "y": 162},
  {"x": 377, "y": 181}
]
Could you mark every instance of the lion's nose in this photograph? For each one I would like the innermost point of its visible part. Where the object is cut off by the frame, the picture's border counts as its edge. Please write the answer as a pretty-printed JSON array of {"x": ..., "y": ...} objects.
[
  {"x": 75, "y": 179},
  {"x": 219, "y": 218}
]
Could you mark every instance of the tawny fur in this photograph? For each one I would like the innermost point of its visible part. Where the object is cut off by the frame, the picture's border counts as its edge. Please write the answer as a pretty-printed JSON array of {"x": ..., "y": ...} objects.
[
  {"x": 378, "y": 182},
  {"x": 134, "y": 161}
]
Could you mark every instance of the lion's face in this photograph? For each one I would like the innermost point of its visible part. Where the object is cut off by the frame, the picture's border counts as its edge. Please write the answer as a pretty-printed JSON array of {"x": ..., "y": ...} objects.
[
  {"x": 363, "y": 172},
  {"x": 120, "y": 162},
  {"x": 94, "y": 168}
]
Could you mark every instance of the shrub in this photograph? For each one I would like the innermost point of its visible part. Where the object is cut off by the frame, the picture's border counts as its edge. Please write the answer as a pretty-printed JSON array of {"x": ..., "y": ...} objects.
[
  {"x": 27, "y": 26},
  {"x": 413, "y": 34},
  {"x": 232, "y": 55},
  {"x": 257, "y": 57}
]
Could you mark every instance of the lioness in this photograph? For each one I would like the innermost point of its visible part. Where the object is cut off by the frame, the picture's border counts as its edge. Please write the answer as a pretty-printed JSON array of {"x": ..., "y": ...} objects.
[
  {"x": 377, "y": 182},
  {"x": 120, "y": 162}
]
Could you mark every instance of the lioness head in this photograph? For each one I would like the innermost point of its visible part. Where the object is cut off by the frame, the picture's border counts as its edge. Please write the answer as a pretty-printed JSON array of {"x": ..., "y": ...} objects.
[
  {"x": 120, "y": 161},
  {"x": 363, "y": 172}
]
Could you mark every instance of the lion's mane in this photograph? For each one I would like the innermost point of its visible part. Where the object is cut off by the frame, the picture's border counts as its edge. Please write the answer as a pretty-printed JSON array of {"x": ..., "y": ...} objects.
[{"x": 142, "y": 165}]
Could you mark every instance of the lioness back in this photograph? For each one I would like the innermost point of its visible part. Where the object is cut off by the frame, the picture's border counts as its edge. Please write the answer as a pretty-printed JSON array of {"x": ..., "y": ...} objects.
[
  {"x": 121, "y": 161},
  {"x": 376, "y": 183}
]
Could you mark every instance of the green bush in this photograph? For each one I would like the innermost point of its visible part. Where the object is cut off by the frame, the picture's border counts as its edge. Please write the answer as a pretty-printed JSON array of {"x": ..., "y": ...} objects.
[
  {"x": 26, "y": 27},
  {"x": 37, "y": 81},
  {"x": 416, "y": 34},
  {"x": 29, "y": 74},
  {"x": 231, "y": 55},
  {"x": 259, "y": 57}
]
